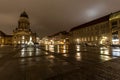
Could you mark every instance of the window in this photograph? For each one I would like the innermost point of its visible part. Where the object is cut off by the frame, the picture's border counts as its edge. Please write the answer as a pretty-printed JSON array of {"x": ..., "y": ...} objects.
[
  {"x": 115, "y": 35},
  {"x": 114, "y": 24}
]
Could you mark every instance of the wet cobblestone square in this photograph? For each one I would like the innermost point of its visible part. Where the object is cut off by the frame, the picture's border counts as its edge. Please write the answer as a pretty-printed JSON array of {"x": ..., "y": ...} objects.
[{"x": 44, "y": 65}]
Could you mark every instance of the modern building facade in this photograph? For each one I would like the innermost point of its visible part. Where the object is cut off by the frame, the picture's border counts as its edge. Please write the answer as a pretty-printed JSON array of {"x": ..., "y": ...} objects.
[{"x": 22, "y": 34}]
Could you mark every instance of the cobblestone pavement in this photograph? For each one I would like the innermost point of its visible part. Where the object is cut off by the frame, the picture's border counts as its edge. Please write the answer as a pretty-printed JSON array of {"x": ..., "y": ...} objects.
[
  {"x": 5, "y": 50},
  {"x": 77, "y": 65}
]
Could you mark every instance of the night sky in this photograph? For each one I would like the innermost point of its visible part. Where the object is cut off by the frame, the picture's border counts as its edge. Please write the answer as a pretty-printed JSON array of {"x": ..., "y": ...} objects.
[{"x": 51, "y": 16}]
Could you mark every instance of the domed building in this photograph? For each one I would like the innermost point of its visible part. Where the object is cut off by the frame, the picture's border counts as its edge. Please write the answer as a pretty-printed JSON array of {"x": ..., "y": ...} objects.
[{"x": 23, "y": 33}]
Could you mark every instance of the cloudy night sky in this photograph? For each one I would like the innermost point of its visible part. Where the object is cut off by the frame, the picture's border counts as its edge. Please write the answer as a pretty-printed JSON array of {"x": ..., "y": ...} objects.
[{"x": 51, "y": 16}]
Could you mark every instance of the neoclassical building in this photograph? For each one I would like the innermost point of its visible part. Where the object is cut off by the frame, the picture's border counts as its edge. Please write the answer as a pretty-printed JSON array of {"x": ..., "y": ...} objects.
[
  {"x": 115, "y": 27},
  {"x": 22, "y": 34},
  {"x": 104, "y": 31},
  {"x": 95, "y": 32},
  {"x": 5, "y": 39}
]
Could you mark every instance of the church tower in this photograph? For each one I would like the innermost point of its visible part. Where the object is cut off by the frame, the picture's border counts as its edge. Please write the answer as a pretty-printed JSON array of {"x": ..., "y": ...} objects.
[
  {"x": 23, "y": 22},
  {"x": 22, "y": 33}
]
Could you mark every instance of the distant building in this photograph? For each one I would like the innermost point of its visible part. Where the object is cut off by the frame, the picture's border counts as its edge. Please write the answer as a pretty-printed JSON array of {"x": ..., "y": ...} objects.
[
  {"x": 23, "y": 33},
  {"x": 57, "y": 38},
  {"x": 101, "y": 31}
]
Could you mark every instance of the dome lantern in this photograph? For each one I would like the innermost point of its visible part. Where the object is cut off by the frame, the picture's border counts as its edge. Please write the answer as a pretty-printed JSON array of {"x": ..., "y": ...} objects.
[{"x": 24, "y": 14}]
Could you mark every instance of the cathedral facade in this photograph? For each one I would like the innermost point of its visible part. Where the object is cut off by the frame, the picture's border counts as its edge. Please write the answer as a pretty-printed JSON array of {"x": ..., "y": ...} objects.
[{"x": 22, "y": 34}]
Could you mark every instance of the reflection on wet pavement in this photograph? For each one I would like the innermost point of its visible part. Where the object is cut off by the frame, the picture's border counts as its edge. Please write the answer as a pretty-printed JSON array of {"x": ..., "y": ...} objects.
[
  {"x": 77, "y": 47},
  {"x": 78, "y": 56},
  {"x": 58, "y": 62},
  {"x": 116, "y": 51},
  {"x": 29, "y": 53},
  {"x": 65, "y": 55}
]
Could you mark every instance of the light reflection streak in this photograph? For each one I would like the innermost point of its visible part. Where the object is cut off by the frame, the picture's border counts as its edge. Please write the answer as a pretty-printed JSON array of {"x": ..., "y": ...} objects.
[
  {"x": 51, "y": 56},
  {"x": 37, "y": 51},
  {"x": 105, "y": 58},
  {"x": 46, "y": 53},
  {"x": 116, "y": 52},
  {"x": 104, "y": 50},
  {"x": 77, "y": 47},
  {"x": 22, "y": 54},
  {"x": 23, "y": 49},
  {"x": 30, "y": 53},
  {"x": 22, "y": 60},
  {"x": 65, "y": 55},
  {"x": 78, "y": 56}
]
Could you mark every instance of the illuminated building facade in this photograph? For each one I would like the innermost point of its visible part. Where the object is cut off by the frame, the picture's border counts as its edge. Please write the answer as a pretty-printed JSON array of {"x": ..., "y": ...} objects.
[
  {"x": 102, "y": 31},
  {"x": 57, "y": 39},
  {"x": 57, "y": 42},
  {"x": 8, "y": 39},
  {"x": 92, "y": 33},
  {"x": 23, "y": 33},
  {"x": 5, "y": 39},
  {"x": 60, "y": 37},
  {"x": 115, "y": 28}
]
